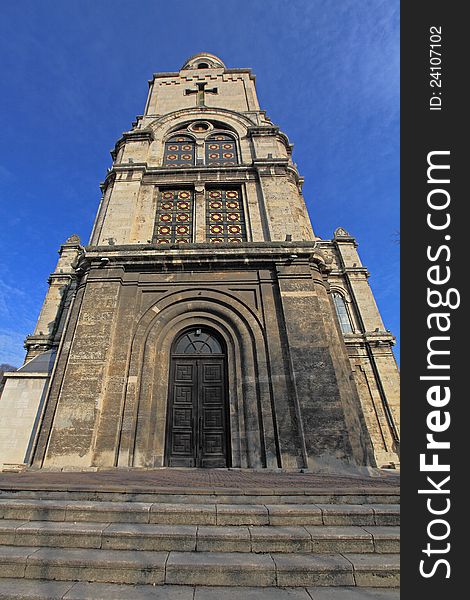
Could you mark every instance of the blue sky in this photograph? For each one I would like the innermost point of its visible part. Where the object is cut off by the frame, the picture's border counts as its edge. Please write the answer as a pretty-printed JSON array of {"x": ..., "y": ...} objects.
[{"x": 74, "y": 76}]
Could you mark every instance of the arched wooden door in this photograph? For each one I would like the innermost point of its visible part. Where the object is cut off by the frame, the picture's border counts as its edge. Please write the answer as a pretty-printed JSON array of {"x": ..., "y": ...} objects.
[{"x": 198, "y": 421}]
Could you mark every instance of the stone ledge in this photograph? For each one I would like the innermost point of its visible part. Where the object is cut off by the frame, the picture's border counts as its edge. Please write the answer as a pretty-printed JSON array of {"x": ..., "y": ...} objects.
[
  {"x": 199, "y": 514},
  {"x": 26, "y": 374},
  {"x": 203, "y": 538}
]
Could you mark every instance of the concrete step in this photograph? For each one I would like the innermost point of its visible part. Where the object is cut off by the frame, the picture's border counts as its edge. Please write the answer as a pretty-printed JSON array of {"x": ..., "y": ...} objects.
[
  {"x": 202, "y": 538},
  {"x": 210, "y": 496},
  {"x": 35, "y": 589},
  {"x": 200, "y": 568},
  {"x": 200, "y": 514}
]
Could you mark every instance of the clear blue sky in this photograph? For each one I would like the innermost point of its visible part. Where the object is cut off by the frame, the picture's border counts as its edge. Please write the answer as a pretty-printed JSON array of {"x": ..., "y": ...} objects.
[{"x": 74, "y": 75}]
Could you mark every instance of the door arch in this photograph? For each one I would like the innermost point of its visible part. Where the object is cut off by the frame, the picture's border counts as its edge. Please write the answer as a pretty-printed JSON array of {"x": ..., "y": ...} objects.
[{"x": 197, "y": 431}]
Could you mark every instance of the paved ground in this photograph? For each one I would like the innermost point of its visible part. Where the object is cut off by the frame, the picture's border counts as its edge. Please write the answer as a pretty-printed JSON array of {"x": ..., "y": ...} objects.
[{"x": 151, "y": 480}]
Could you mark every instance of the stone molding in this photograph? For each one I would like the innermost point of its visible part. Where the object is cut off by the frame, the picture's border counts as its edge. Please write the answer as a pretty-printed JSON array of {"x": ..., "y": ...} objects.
[
  {"x": 135, "y": 135},
  {"x": 27, "y": 375}
]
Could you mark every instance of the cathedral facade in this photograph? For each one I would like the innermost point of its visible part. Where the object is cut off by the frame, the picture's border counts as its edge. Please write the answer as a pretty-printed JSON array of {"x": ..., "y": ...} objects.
[{"x": 205, "y": 324}]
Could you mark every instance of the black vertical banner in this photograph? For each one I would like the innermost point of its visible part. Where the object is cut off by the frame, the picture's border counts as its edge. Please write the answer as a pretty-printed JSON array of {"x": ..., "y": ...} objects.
[{"x": 435, "y": 355}]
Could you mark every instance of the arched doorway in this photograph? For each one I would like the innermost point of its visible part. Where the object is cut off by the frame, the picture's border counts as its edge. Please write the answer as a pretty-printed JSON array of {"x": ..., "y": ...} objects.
[{"x": 197, "y": 433}]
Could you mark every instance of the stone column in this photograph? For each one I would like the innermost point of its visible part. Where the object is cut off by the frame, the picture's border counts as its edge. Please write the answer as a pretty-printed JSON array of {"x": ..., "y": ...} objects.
[{"x": 199, "y": 214}]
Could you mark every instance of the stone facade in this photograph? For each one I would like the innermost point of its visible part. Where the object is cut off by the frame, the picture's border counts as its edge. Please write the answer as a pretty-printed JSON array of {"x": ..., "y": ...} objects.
[{"x": 236, "y": 256}]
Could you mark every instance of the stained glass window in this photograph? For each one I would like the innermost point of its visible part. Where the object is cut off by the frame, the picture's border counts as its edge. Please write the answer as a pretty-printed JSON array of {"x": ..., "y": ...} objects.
[
  {"x": 179, "y": 151},
  {"x": 220, "y": 150},
  {"x": 342, "y": 313},
  {"x": 224, "y": 216},
  {"x": 174, "y": 222}
]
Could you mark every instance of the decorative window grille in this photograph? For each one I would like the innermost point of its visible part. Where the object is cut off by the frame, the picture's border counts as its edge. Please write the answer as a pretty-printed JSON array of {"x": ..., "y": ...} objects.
[
  {"x": 174, "y": 222},
  {"x": 342, "y": 313},
  {"x": 225, "y": 220},
  {"x": 179, "y": 151},
  {"x": 198, "y": 341},
  {"x": 220, "y": 150}
]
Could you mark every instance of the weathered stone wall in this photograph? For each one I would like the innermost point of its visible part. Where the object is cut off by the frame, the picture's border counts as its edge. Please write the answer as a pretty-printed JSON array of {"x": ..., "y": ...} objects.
[
  {"x": 73, "y": 426},
  {"x": 330, "y": 411},
  {"x": 290, "y": 401}
]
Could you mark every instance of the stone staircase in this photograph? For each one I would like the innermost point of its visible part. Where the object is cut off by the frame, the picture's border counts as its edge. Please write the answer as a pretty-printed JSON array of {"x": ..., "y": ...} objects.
[{"x": 179, "y": 545}]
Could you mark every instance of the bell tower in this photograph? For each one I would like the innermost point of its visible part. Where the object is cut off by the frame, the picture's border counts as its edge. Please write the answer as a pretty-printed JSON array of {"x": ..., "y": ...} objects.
[
  {"x": 202, "y": 129},
  {"x": 205, "y": 325}
]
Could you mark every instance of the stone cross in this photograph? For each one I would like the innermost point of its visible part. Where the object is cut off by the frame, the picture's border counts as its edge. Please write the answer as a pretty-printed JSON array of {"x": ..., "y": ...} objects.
[{"x": 200, "y": 92}]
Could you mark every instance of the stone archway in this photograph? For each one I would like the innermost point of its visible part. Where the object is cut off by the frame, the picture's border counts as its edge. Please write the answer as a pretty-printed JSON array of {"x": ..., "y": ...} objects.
[{"x": 253, "y": 440}]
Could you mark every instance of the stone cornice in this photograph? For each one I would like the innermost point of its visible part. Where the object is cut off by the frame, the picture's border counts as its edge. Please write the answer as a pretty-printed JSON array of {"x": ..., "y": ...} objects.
[
  {"x": 164, "y": 74},
  {"x": 335, "y": 241},
  {"x": 373, "y": 338},
  {"x": 178, "y": 73},
  {"x": 256, "y": 251},
  {"x": 135, "y": 135},
  {"x": 271, "y": 161},
  {"x": 198, "y": 174},
  {"x": 129, "y": 166},
  {"x": 345, "y": 240},
  {"x": 241, "y": 70},
  {"x": 60, "y": 277},
  {"x": 351, "y": 271},
  {"x": 304, "y": 247},
  {"x": 270, "y": 130},
  {"x": 263, "y": 130},
  {"x": 201, "y": 256},
  {"x": 237, "y": 173},
  {"x": 27, "y": 374}
]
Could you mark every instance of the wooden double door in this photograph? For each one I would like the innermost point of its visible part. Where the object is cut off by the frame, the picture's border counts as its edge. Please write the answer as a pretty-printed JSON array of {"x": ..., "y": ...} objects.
[{"x": 197, "y": 425}]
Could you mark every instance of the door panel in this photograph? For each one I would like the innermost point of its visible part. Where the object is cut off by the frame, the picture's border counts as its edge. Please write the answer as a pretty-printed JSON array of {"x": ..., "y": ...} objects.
[
  {"x": 212, "y": 406},
  {"x": 183, "y": 392},
  {"x": 197, "y": 424}
]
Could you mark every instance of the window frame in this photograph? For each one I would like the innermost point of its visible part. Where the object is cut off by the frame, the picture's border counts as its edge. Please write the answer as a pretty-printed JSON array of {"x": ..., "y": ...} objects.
[
  {"x": 166, "y": 150},
  {"x": 225, "y": 210},
  {"x": 233, "y": 140},
  {"x": 160, "y": 191},
  {"x": 335, "y": 293}
]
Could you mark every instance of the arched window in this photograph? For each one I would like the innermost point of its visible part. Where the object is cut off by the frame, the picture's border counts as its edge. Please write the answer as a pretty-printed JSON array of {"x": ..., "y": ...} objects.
[
  {"x": 179, "y": 151},
  {"x": 198, "y": 341},
  {"x": 221, "y": 150},
  {"x": 342, "y": 313}
]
